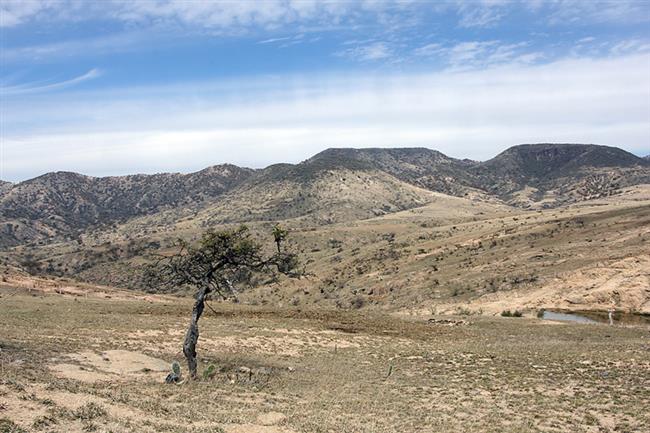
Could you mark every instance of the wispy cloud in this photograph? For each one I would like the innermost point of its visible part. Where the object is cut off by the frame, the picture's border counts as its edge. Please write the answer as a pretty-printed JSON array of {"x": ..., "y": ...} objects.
[
  {"x": 15, "y": 12},
  {"x": 89, "y": 46},
  {"x": 240, "y": 16},
  {"x": 368, "y": 52},
  {"x": 220, "y": 16},
  {"x": 630, "y": 46},
  {"x": 40, "y": 87},
  {"x": 429, "y": 50},
  {"x": 577, "y": 12},
  {"x": 479, "y": 54},
  {"x": 463, "y": 113},
  {"x": 473, "y": 15},
  {"x": 272, "y": 40}
]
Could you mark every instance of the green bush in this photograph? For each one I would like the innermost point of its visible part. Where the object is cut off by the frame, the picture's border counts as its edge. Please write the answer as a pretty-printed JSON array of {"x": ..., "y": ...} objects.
[
  {"x": 508, "y": 313},
  {"x": 209, "y": 372}
]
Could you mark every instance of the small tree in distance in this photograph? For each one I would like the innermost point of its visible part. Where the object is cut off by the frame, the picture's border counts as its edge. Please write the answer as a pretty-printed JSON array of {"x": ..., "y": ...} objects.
[
  {"x": 212, "y": 267},
  {"x": 279, "y": 235}
]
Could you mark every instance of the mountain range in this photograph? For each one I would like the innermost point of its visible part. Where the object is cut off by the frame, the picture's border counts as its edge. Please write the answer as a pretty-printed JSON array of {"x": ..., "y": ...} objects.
[{"x": 333, "y": 186}]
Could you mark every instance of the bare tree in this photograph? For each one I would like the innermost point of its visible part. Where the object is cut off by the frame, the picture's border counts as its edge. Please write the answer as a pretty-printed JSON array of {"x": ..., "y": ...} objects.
[{"x": 213, "y": 266}]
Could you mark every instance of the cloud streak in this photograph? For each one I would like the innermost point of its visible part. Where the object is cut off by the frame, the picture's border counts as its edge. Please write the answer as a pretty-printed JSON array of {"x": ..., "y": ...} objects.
[
  {"x": 471, "y": 114},
  {"x": 239, "y": 16},
  {"x": 22, "y": 89}
]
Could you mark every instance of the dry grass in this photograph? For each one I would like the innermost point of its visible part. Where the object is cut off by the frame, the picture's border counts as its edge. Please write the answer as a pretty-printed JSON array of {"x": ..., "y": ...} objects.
[
  {"x": 290, "y": 370},
  {"x": 451, "y": 255}
]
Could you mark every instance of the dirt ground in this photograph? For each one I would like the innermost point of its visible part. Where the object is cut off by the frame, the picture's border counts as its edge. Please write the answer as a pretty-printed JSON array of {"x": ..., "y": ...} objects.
[{"x": 75, "y": 362}]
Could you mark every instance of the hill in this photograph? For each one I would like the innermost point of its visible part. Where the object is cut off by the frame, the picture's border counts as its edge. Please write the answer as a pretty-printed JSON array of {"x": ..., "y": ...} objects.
[
  {"x": 64, "y": 204},
  {"x": 546, "y": 175},
  {"x": 336, "y": 185},
  {"x": 425, "y": 168},
  {"x": 339, "y": 185}
]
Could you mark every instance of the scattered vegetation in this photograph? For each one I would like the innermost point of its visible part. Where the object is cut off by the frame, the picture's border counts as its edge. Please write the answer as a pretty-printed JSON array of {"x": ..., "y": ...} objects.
[{"x": 508, "y": 313}]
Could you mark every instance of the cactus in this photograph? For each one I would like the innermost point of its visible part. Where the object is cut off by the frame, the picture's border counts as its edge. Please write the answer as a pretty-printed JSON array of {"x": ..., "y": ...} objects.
[
  {"x": 175, "y": 375},
  {"x": 176, "y": 368},
  {"x": 209, "y": 372}
]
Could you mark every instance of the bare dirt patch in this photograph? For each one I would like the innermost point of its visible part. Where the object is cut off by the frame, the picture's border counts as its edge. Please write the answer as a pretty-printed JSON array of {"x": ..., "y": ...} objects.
[{"x": 109, "y": 365}]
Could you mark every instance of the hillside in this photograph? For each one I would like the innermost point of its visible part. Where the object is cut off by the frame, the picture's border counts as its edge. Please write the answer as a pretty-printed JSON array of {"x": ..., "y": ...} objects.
[
  {"x": 546, "y": 175},
  {"x": 63, "y": 205},
  {"x": 333, "y": 186},
  {"x": 339, "y": 185},
  {"x": 395, "y": 228},
  {"x": 452, "y": 254},
  {"x": 425, "y": 168},
  {"x": 4, "y": 187}
]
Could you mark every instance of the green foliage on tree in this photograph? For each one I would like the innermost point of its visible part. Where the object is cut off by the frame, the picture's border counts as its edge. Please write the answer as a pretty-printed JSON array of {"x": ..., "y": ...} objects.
[{"x": 213, "y": 266}]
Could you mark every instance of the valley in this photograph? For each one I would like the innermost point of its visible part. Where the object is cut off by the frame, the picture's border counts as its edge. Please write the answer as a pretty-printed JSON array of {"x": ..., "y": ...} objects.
[{"x": 423, "y": 306}]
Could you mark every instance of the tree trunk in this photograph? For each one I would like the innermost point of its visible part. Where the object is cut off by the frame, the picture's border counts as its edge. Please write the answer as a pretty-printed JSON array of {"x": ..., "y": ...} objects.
[{"x": 192, "y": 335}]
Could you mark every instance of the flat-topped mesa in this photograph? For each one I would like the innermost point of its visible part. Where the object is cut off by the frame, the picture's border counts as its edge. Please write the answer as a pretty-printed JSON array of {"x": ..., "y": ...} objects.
[{"x": 541, "y": 159}]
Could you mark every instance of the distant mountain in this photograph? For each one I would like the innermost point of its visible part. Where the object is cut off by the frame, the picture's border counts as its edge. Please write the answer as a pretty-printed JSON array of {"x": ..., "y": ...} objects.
[
  {"x": 333, "y": 186},
  {"x": 558, "y": 173},
  {"x": 647, "y": 157},
  {"x": 64, "y": 203},
  {"x": 538, "y": 161},
  {"x": 315, "y": 194},
  {"x": 4, "y": 187},
  {"x": 425, "y": 168}
]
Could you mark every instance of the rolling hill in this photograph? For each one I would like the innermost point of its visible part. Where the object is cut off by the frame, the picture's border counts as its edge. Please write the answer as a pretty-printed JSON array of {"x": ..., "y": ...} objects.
[
  {"x": 63, "y": 205},
  {"x": 546, "y": 175},
  {"x": 391, "y": 227},
  {"x": 333, "y": 186}
]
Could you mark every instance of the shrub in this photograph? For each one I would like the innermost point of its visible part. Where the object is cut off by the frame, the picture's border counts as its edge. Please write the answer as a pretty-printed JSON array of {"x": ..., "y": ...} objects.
[
  {"x": 357, "y": 302},
  {"x": 8, "y": 426},
  {"x": 90, "y": 411},
  {"x": 508, "y": 313},
  {"x": 209, "y": 372}
]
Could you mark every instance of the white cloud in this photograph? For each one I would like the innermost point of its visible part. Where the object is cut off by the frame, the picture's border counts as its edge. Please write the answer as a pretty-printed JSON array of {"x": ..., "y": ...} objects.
[
  {"x": 576, "y": 12},
  {"x": 119, "y": 42},
  {"x": 479, "y": 54},
  {"x": 221, "y": 16},
  {"x": 369, "y": 52},
  {"x": 631, "y": 46},
  {"x": 473, "y": 16},
  {"x": 429, "y": 50},
  {"x": 272, "y": 40},
  {"x": 15, "y": 12},
  {"x": 237, "y": 16},
  {"x": 48, "y": 86},
  {"x": 465, "y": 114}
]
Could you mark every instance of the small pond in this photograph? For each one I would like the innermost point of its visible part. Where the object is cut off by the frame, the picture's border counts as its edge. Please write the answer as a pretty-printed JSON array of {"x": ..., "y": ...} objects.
[{"x": 594, "y": 317}]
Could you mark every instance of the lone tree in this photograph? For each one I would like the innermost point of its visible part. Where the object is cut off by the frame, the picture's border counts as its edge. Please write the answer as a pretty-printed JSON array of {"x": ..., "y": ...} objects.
[{"x": 219, "y": 260}]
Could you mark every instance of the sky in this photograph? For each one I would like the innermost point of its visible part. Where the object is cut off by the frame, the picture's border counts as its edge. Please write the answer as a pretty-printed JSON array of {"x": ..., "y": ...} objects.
[{"x": 119, "y": 87}]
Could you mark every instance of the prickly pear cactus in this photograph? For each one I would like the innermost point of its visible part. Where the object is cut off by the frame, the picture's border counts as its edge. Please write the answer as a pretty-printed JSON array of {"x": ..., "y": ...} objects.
[
  {"x": 210, "y": 371},
  {"x": 175, "y": 375}
]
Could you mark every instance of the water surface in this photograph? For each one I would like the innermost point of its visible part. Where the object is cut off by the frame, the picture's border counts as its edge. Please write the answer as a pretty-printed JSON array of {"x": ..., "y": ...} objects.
[{"x": 594, "y": 317}]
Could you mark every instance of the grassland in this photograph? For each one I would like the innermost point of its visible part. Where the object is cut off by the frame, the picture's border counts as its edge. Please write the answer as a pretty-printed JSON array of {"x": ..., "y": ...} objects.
[
  {"x": 74, "y": 361},
  {"x": 451, "y": 255}
]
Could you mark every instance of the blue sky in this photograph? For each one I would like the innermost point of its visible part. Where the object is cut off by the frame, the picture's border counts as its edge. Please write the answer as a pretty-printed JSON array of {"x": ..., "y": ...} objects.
[{"x": 116, "y": 87}]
